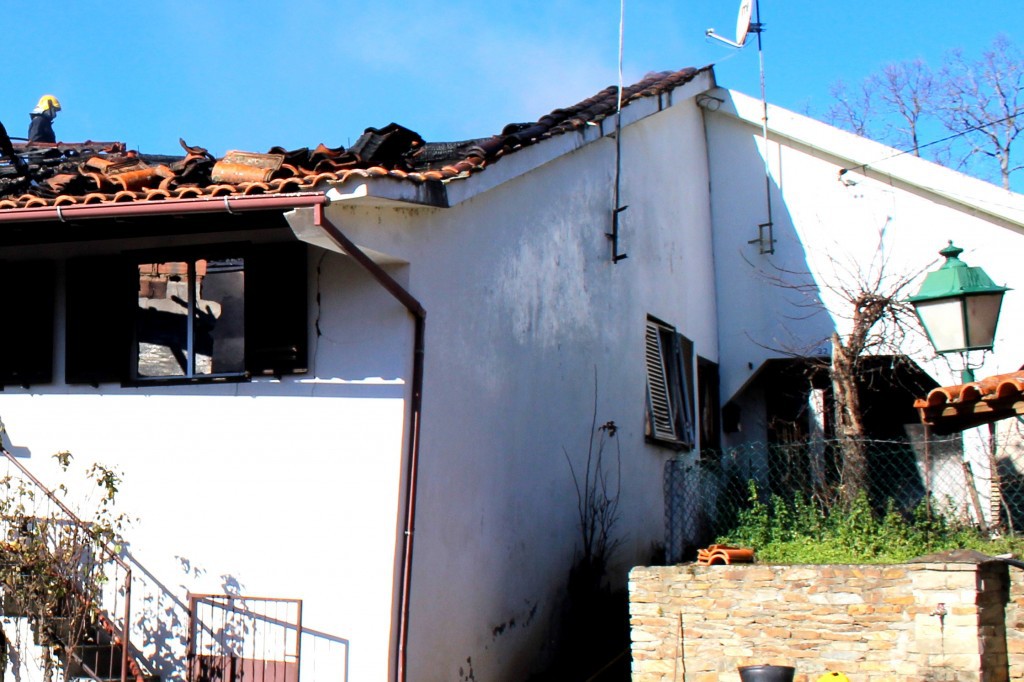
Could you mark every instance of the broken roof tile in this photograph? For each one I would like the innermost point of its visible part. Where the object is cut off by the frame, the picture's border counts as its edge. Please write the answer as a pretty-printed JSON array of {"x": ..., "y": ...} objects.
[{"x": 99, "y": 172}]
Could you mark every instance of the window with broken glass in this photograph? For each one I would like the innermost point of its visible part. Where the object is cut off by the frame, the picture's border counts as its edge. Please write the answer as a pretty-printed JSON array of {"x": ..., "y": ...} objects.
[
  {"x": 669, "y": 360},
  {"x": 190, "y": 318},
  {"x": 223, "y": 313}
]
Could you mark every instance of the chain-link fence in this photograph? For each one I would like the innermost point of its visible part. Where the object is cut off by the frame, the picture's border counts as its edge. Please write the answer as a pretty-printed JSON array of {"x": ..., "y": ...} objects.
[{"x": 963, "y": 477}]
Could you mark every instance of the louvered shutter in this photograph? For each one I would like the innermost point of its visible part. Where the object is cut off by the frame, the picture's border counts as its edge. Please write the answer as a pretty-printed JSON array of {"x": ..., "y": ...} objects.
[{"x": 661, "y": 422}]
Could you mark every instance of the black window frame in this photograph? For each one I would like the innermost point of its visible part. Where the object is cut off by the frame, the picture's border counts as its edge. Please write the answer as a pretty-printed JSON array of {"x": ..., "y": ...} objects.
[
  {"x": 190, "y": 256},
  {"x": 275, "y": 313}
]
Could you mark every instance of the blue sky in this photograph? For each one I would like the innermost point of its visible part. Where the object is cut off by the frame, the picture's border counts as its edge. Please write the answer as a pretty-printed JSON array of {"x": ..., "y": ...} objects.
[{"x": 254, "y": 74}]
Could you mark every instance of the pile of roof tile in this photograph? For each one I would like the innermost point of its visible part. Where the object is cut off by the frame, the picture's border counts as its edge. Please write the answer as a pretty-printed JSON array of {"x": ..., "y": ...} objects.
[
  {"x": 724, "y": 554},
  {"x": 95, "y": 172}
]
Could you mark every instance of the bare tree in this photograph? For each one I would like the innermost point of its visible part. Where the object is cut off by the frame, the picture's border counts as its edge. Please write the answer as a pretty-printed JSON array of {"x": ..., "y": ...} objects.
[
  {"x": 973, "y": 109},
  {"x": 871, "y": 296},
  {"x": 983, "y": 99},
  {"x": 908, "y": 90},
  {"x": 853, "y": 111},
  {"x": 891, "y": 106}
]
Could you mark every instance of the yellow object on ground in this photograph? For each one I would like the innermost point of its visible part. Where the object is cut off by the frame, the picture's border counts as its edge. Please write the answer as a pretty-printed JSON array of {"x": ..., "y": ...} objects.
[{"x": 833, "y": 677}]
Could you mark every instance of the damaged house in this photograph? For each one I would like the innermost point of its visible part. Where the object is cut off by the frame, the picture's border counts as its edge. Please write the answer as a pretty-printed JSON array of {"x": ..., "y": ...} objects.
[{"x": 375, "y": 381}]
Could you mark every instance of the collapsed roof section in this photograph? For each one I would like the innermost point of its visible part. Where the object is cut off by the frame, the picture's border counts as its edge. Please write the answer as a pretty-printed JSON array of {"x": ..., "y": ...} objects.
[{"x": 62, "y": 174}]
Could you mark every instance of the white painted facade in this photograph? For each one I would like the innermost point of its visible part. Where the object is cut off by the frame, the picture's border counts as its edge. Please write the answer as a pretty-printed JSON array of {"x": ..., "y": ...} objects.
[
  {"x": 847, "y": 209},
  {"x": 294, "y": 487},
  {"x": 888, "y": 212},
  {"x": 526, "y": 319},
  {"x": 260, "y": 488}
]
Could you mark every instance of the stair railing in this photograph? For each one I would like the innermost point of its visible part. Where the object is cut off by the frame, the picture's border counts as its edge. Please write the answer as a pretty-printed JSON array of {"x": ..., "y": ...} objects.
[{"x": 112, "y": 593}]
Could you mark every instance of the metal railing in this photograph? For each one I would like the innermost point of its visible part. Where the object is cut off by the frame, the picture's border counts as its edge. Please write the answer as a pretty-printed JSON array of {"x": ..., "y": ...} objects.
[
  {"x": 88, "y": 574},
  {"x": 259, "y": 639}
]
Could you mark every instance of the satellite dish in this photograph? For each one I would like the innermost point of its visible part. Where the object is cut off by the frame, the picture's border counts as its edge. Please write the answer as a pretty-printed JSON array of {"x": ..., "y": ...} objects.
[
  {"x": 743, "y": 21},
  {"x": 743, "y": 25}
]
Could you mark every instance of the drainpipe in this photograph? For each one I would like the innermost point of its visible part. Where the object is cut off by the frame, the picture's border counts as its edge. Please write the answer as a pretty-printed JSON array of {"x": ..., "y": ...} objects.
[{"x": 415, "y": 408}]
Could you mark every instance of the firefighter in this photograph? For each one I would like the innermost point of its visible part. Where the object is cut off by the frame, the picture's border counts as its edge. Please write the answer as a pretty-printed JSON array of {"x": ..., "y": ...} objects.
[{"x": 41, "y": 127}]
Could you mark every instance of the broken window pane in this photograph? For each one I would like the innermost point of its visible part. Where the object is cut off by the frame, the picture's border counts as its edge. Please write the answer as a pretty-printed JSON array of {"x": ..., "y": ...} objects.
[
  {"x": 161, "y": 324},
  {"x": 191, "y": 318},
  {"x": 220, "y": 316}
]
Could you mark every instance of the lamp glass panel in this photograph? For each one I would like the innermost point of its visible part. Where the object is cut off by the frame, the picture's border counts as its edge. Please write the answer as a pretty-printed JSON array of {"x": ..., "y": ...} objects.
[
  {"x": 944, "y": 322},
  {"x": 982, "y": 314}
]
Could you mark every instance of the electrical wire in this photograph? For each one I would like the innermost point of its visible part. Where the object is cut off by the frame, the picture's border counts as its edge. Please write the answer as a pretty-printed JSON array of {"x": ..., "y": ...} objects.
[{"x": 919, "y": 147}]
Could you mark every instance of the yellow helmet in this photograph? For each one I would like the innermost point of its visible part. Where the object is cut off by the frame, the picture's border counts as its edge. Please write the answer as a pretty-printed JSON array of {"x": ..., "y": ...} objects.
[{"x": 47, "y": 104}]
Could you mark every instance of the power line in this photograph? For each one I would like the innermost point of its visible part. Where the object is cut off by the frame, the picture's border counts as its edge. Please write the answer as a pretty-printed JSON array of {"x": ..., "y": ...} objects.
[{"x": 864, "y": 166}]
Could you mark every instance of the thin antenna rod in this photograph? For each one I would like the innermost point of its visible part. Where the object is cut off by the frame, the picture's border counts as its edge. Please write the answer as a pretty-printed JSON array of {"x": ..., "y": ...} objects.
[
  {"x": 618, "y": 209},
  {"x": 758, "y": 28},
  {"x": 765, "y": 231}
]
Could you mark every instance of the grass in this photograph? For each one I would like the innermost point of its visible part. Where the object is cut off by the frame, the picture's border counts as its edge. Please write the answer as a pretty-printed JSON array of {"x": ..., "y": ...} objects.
[{"x": 799, "y": 531}]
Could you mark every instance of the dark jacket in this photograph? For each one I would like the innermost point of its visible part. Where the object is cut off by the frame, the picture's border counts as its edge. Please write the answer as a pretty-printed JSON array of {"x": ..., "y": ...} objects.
[{"x": 41, "y": 129}]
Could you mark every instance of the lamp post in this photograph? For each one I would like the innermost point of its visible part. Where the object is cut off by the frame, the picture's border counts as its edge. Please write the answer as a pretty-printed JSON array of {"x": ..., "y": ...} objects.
[{"x": 958, "y": 306}]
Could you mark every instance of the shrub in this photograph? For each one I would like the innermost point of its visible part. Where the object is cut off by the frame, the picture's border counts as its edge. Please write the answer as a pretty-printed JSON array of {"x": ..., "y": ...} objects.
[{"x": 802, "y": 532}]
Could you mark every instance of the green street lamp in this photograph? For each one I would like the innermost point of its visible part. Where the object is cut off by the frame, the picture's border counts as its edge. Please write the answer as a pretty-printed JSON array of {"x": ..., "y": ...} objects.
[{"x": 958, "y": 306}]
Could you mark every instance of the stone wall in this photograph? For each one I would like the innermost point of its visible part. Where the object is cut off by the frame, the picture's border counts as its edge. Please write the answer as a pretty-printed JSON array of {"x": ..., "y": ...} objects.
[
  {"x": 935, "y": 620},
  {"x": 1015, "y": 625}
]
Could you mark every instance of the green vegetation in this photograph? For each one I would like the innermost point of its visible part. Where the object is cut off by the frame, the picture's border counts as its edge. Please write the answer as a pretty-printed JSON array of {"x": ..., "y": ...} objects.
[{"x": 799, "y": 531}]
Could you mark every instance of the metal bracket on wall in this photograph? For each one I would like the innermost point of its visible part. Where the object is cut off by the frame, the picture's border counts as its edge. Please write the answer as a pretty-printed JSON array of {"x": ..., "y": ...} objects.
[
  {"x": 765, "y": 238},
  {"x": 614, "y": 235}
]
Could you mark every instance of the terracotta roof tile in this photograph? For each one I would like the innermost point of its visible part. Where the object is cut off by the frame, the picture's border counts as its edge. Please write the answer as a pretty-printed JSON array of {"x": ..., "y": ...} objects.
[
  {"x": 97, "y": 172},
  {"x": 953, "y": 408}
]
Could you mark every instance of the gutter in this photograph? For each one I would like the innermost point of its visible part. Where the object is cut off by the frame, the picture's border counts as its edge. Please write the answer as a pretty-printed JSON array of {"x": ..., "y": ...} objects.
[
  {"x": 415, "y": 408},
  {"x": 225, "y": 204}
]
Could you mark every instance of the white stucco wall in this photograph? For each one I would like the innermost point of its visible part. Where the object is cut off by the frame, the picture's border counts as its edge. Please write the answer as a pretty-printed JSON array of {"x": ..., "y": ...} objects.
[
  {"x": 292, "y": 488},
  {"x": 527, "y": 318},
  {"x": 271, "y": 488},
  {"x": 894, "y": 216}
]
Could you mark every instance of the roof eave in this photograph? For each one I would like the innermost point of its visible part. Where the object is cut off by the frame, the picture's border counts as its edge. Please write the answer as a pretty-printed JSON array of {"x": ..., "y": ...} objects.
[
  {"x": 873, "y": 159},
  {"x": 388, "y": 191},
  {"x": 544, "y": 151}
]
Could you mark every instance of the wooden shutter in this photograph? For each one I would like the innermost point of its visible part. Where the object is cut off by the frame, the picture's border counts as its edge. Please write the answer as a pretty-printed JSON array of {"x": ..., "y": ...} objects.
[
  {"x": 26, "y": 341},
  {"x": 661, "y": 422},
  {"x": 685, "y": 425},
  {"x": 99, "y": 297},
  {"x": 707, "y": 403},
  {"x": 276, "y": 316}
]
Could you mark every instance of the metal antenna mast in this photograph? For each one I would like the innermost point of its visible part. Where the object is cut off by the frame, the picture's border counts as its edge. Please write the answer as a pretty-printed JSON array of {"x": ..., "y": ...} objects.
[
  {"x": 617, "y": 209},
  {"x": 744, "y": 26}
]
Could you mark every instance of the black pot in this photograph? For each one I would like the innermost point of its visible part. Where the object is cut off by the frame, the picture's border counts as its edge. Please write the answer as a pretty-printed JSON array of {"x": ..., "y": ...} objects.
[{"x": 766, "y": 673}]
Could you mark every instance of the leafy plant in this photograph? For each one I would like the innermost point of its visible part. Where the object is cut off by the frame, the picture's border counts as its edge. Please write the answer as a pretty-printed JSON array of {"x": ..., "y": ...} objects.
[
  {"x": 52, "y": 564},
  {"x": 803, "y": 532}
]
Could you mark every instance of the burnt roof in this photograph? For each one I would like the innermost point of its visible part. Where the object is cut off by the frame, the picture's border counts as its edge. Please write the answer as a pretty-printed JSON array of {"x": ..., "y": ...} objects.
[{"x": 65, "y": 174}]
